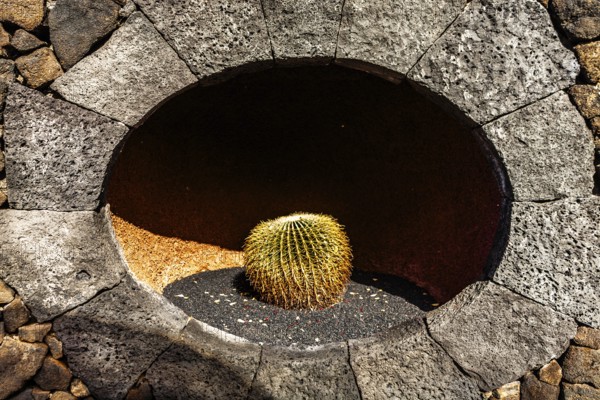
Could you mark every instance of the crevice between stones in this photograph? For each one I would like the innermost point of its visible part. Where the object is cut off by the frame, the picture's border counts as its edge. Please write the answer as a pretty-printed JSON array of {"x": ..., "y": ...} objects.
[
  {"x": 337, "y": 37},
  {"x": 260, "y": 361},
  {"x": 465, "y": 373},
  {"x": 264, "y": 14},
  {"x": 165, "y": 38},
  {"x": 360, "y": 394},
  {"x": 438, "y": 38},
  {"x": 57, "y": 96}
]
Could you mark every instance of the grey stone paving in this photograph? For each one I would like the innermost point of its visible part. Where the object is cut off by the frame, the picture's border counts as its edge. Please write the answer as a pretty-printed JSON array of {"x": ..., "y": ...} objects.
[
  {"x": 406, "y": 363},
  {"x": 496, "y": 57},
  {"x": 116, "y": 336},
  {"x": 127, "y": 77},
  {"x": 553, "y": 256},
  {"x": 57, "y": 154},
  {"x": 57, "y": 260},
  {"x": 547, "y": 149},
  {"x": 321, "y": 373},
  {"x": 212, "y": 36},
  {"x": 205, "y": 364},
  {"x": 303, "y": 29},
  {"x": 392, "y": 33},
  {"x": 496, "y": 335}
]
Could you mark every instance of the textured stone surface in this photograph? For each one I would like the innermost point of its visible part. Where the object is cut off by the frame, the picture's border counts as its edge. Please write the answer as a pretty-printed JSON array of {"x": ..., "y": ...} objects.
[
  {"x": 58, "y": 260},
  {"x": 406, "y": 363},
  {"x": 205, "y": 364},
  {"x": 54, "y": 375},
  {"x": 34, "y": 332},
  {"x": 75, "y": 25},
  {"x": 4, "y": 37},
  {"x": 24, "y": 41},
  {"x": 6, "y": 293},
  {"x": 212, "y": 37},
  {"x": 551, "y": 373},
  {"x": 127, "y": 77},
  {"x": 54, "y": 345},
  {"x": 39, "y": 68},
  {"x": 580, "y": 392},
  {"x": 322, "y": 373},
  {"x": 79, "y": 389},
  {"x": 510, "y": 391},
  {"x": 61, "y": 395},
  {"x": 579, "y": 19},
  {"x": 112, "y": 339},
  {"x": 303, "y": 29},
  {"x": 18, "y": 363},
  {"x": 496, "y": 57},
  {"x": 39, "y": 394},
  {"x": 15, "y": 315},
  {"x": 588, "y": 337},
  {"x": 587, "y": 99},
  {"x": 27, "y": 14},
  {"x": 393, "y": 33},
  {"x": 582, "y": 365},
  {"x": 57, "y": 153},
  {"x": 553, "y": 256},
  {"x": 545, "y": 161},
  {"x": 534, "y": 389},
  {"x": 496, "y": 335},
  {"x": 589, "y": 58}
]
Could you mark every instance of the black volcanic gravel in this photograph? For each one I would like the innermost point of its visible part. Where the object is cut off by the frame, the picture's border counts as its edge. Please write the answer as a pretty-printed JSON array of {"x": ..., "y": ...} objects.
[{"x": 225, "y": 300}]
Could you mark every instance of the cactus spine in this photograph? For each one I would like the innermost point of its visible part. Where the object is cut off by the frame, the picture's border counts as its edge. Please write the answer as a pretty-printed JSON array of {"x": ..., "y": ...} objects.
[{"x": 299, "y": 261}]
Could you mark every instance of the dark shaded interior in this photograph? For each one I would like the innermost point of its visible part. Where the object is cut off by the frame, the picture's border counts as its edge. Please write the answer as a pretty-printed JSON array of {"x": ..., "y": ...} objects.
[{"x": 412, "y": 185}]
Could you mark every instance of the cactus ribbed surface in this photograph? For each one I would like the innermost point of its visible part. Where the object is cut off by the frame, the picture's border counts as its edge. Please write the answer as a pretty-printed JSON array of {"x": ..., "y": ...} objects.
[{"x": 299, "y": 261}]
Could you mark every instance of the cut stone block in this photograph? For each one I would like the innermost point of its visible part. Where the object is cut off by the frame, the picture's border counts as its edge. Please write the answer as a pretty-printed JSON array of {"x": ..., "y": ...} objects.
[
  {"x": 212, "y": 36},
  {"x": 582, "y": 365},
  {"x": 496, "y": 57},
  {"x": 321, "y": 373},
  {"x": 57, "y": 154},
  {"x": 112, "y": 339},
  {"x": 205, "y": 364},
  {"x": 57, "y": 260},
  {"x": 553, "y": 256},
  {"x": 496, "y": 336},
  {"x": 305, "y": 29},
  {"x": 129, "y": 76},
  {"x": 406, "y": 363},
  {"x": 545, "y": 161},
  {"x": 392, "y": 33}
]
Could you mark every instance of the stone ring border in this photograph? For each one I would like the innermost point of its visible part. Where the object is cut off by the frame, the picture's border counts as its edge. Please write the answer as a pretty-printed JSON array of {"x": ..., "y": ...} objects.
[{"x": 498, "y": 66}]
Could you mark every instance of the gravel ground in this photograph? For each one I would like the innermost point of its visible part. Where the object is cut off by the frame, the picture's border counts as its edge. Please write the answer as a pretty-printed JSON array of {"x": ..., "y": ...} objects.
[{"x": 225, "y": 300}]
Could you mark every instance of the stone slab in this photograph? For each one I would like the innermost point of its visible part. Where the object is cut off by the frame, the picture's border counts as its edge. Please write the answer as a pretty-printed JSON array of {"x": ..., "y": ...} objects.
[
  {"x": 545, "y": 161},
  {"x": 305, "y": 30},
  {"x": 405, "y": 363},
  {"x": 130, "y": 75},
  {"x": 553, "y": 256},
  {"x": 318, "y": 373},
  {"x": 496, "y": 336},
  {"x": 58, "y": 260},
  {"x": 392, "y": 33},
  {"x": 115, "y": 337},
  {"x": 205, "y": 364},
  {"x": 496, "y": 57},
  {"x": 210, "y": 36},
  {"x": 57, "y": 154}
]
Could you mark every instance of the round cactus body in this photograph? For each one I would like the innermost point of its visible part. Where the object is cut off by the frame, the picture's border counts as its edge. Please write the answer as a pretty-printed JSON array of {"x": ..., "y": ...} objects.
[{"x": 299, "y": 261}]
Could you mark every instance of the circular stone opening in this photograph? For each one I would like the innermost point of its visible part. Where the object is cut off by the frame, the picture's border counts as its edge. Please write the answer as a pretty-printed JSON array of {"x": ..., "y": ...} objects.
[{"x": 414, "y": 188}]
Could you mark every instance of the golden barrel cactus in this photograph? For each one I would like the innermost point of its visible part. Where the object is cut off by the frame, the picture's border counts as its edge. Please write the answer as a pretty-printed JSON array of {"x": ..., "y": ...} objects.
[{"x": 299, "y": 261}]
